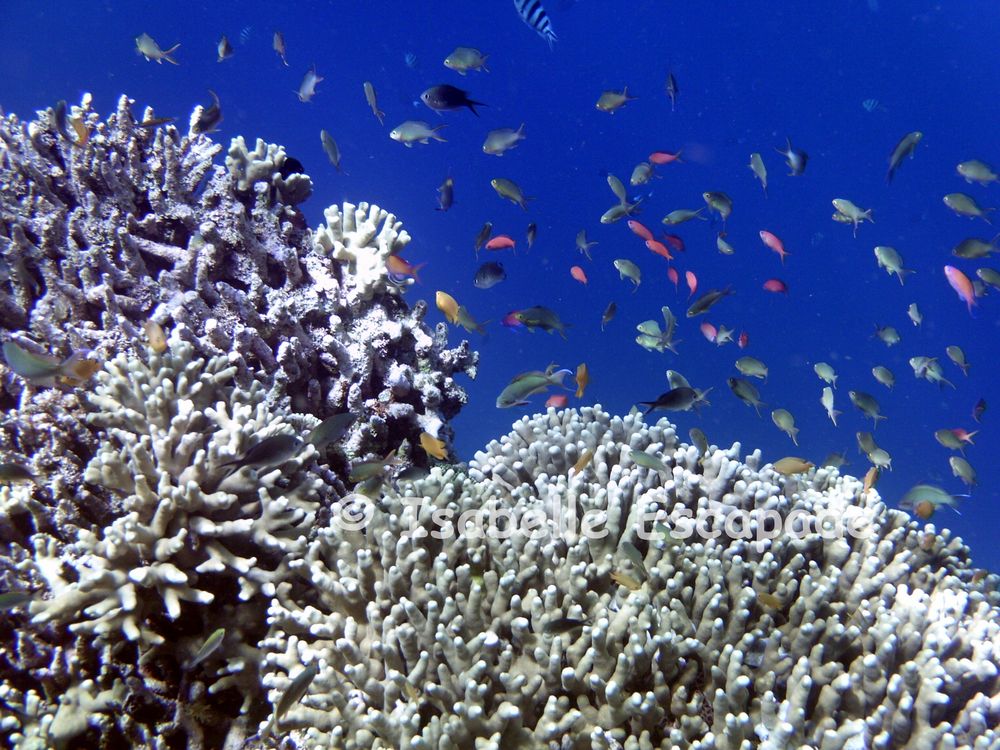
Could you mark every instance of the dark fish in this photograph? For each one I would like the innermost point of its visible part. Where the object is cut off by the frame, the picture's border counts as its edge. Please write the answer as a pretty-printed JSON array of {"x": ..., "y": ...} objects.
[
  {"x": 705, "y": 302},
  {"x": 331, "y": 148},
  {"x": 224, "y": 48},
  {"x": 271, "y": 450},
  {"x": 532, "y": 234},
  {"x": 330, "y": 430},
  {"x": 489, "y": 275},
  {"x": 906, "y": 146},
  {"x": 60, "y": 116},
  {"x": 279, "y": 46},
  {"x": 446, "y": 97},
  {"x": 446, "y": 194},
  {"x": 676, "y": 399},
  {"x": 484, "y": 235},
  {"x": 209, "y": 117},
  {"x": 796, "y": 158},
  {"x": 672, "y": 90},
  {"x": 153, "y": 122},
  {"x": 609, "y": 314},
  {"x": 291, "y": 166},
  {"x": 563, "y": 625},
  {"x": 978, "y": 409},
  {"x": 290, "y": 697},
  {"x": 533, "y": 14}
]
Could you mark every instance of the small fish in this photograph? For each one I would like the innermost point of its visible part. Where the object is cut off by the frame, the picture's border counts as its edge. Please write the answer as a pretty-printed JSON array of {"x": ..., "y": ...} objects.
[
  {"x": 772, "y": 241},
  {"x": 469, "y": 323},
  {"x": 889, "y": 259},
  {"x": 501, "y": 242},
  {"x": 562, "y": 625},
  {"x": 528, "y": 384},
  {"x": 867, "y": 404},
  {"x": 709, "y": 331},
  {"x": 583, "y": 245},
  {"x": 45, "y": 370},
  {"x": 155, "y": 336},
  {"x": 699, "y": 441},
  {"x": 692, "y": 282},
  {"x": 307, "y": 89},
  {"x": 443, "y": 98},
  {"x": 631, "y": 552},
  {"x": 629, "y": 270},
  {"x": 464, "y": 59},
  {"x": 706, "y": 301},
  {"x": 271, "y": 451},
  {"x": 585, "y": 458},
  {"x": 956, "y": 355},
  {"x": 723, "y": 245},
  {"x": 906, "y": 146},
  {"x": 209, "y": 647},
  {"x": 209, "y": 117},
  {"x": 852, "y": 214},
  {"x": 146, "y": 46},
  {"x": 672, "y": 90},
  {"x": 770, "y": 601},
  {"x": 979, "y": 409},
  {"x": 884, "y": 376},
  {"x": 641, "y": 173},
  {"x": 870, "y": 105},
  {"x": 914, "y": 314},
  {"x": 825, "y": 373},
  {"x": 541, "y": 317},
  {"x": 557, "y": 401},
  {"x": 989, "y": 276},
  {"x": 752, "y": 367},
  {"x": 681, "y": 398},
  {"x": 775, "y": 285},
  {"x": 446, "y": 194},
  {"x": 534, "y": 15},
  {"x": 653, "y": 463},
  {"x": 719, "y": 202},
  {"x": 759, "y": 170},
  {"x": 965, "y": 205},
  {"x": 618, "y": 189},
  {"x": 794, "y": 157},
  {"x": 15, "y": 473},
  {"x": 292, "y": 695},
  {"x": 14, "y": 599},
  {"x": 949, "y": 440},
  {"x": 511, "y": 191},
  {"x": 609, "y": 314},
  {"x": 682, "y": 215},
  {"x": 483, "y": 236},
  {"x": 579, "y": 274},
  {"x": 447, "y": 304},
  {"x": 977, "y": 171},
  {"x": 664, "y": 157},
  {"x": 415, "y": 131},
  {"x": 278, "y": 44},
  {"x": 888, "y": 335},
  {"x": 59, "y": 115},
  {"x": 531, "y": 234},
  {"x": 866, "y": 443},
  {"x": 433, "y": 446},
  {"x": 582, "y": 379},
  {"x": 372, "y": 98},
  {"x": 154, "y": 122},
  {"x": 871, "y": 478},
  {"x": 363, "y": 471},
  {"x": 826, "y": 400},
  {"x": 488, "y": 275},
  {"x": 331, "y": 149},
  {"x": 502, "y": 140},
  {"x": 791, "y": 465},
  {"x": 785, "y": 422},
  {"x": 924, "y": 499},
  {"x": 224, "y": 48},
  {"x": 746, "y": 392},
  {"x": 612, "y": 101},
  {"x": 963, "y": 470},
  {"x": 962, "y": 286},
  {"x": 400, "y": 269},
  {"x": 624, "y": 579}
]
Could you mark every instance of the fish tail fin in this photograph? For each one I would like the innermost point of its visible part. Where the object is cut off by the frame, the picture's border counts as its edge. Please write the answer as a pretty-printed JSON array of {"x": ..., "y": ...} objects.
[
  {"x": 167, "y": 54},
  {"x": 415, "y": 270},
  {"x": 903, "y": 273},
  {"x": 833, "y": 416}
]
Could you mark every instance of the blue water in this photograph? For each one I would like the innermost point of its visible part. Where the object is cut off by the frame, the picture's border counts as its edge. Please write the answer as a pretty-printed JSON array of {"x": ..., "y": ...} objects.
[{"x": 749, "y": 76}]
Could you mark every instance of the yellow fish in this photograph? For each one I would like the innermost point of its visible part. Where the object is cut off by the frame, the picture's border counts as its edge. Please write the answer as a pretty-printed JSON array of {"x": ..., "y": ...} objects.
[
  {"x": 582, "y": 379},
  {"x": 433, "y": 447},
  {"x": 623, "y": 579},
  {"x": 447, "y": 304},
  {"x": 155, "y": 336},
  {"x": 770, "y": 600}
]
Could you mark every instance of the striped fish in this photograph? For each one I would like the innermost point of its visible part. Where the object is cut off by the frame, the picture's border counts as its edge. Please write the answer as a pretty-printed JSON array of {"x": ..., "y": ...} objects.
[{"x": 533, "y": 14}]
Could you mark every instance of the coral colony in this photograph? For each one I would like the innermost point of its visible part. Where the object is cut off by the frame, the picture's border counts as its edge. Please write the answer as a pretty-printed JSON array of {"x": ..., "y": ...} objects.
[{"x": 222, "y": 533}]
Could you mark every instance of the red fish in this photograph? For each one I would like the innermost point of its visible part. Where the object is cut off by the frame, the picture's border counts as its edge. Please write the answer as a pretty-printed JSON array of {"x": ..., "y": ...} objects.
[
  {"x": 743, "y": 340},
  {"x": 709, "y": 331},
  {"x": 672, "y": 275},
  {"x": 398, "y": 266},
  {"x": 500, "y": 242},
  {"x": 776, "y": 285},
  {"x": 640, "y": 229},
  {"x": 961, "y": 284},
  {"x": 557, "y": 400},
  {"x": 774, "y": 243},
  {"x": 964, "y": 435},
  {"x": 578, "y": 273},
  {"x": 692, "y": 282},
  {"x": 675, "y": 242},
  {"x": 663, "y": 157},
  {"x": 659, "y": 248}
]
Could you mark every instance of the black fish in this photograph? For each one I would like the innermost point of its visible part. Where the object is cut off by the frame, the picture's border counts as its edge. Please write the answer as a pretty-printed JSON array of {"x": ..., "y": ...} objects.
[
  {"x": 563, "y": 625},
  {"x": 489, "y": 275},
  {"x": 60, "y": 116},
  {"x": 270, "y": 451},
  {"x": 676, "y": 399},
  {"x": 445, "y": 97},
  {"x": 609, "y": 314},
  {"x": 446, "y": 194},
  {"x": 209, "y": 117},
  {"x": 533, "y": 14},
  {"x": 291, "y": 166}
]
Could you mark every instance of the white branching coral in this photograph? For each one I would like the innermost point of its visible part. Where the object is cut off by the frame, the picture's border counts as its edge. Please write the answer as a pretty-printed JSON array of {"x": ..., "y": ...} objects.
[
  {"x": 858, "y": 630},
  {"x": 362, "y": 237},
  {"x": 189, "y": 523}
]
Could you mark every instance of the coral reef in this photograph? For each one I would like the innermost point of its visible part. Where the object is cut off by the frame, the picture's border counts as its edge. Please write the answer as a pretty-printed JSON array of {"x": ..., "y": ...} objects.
[{"x": 874, "y": 638}]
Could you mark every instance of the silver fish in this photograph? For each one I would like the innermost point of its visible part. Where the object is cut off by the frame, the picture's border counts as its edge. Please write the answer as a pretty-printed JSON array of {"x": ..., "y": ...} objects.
[{"x": 307, "y": 89}]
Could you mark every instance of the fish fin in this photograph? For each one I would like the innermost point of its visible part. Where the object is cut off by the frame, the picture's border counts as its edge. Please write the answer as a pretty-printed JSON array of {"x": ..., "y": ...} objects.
[{"x": 167, "y": 54}]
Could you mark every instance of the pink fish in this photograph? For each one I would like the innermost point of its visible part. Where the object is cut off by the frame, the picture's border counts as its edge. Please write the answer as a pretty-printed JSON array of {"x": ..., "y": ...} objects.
[
  {"x": 961, "y": 284},
  {"x": 709, "y": 331},
  {"x": 964, "y": 435},
  {"x": 659, "y": 248},
  {"x": 500, "y": 242},
  {"x": 640, "y": 229},
  {"x": 772, "y": 241},
  {"x": 692, "y": 282},
  {"x": 579, "y": 274},
  {"x": 510, "y": 320},
  {"x": 397, "y": 266},
  {"x": 663, "y": 157},
  {"x": 673, "y": 276},
  {"x": 776, "y": 285},
  {"x": 557, "y": 400},
  {"x": 743, "y": 340}
]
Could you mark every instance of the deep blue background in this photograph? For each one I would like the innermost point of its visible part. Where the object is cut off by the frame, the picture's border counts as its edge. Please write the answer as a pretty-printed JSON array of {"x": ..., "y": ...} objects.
[{"x": 749, "y": 75}]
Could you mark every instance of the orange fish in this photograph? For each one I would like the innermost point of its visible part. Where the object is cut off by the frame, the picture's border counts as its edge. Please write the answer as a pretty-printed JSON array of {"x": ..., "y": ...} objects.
[
  {"x": 399, "y": 267},
  {"x": 582, "y": 379},
  {"x": 692, "y": 282},
  {"x": 500, "y": 242},
  {"x": 709, "y": 331},
  {"x": 659, "y": 248},
  {"x": 663, "y": 157},
  {"x": 961, "y": 284},
  {"x": 672, "y": 275},
  {"x": 640, "y": 229},
  {"x": 776, "y": 285},
  {"x": 743, "y": 340},
  {"x": 774, "y": 243},
  {"x": 579, "y": 274},
  {"x": 557, "y": 400}
]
